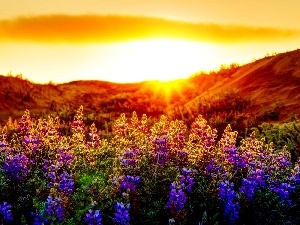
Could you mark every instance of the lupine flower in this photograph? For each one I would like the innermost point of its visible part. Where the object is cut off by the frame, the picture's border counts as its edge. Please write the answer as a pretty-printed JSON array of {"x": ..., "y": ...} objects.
[
  {"x": 93, "y": 217},
  {"x": 65, "y": 158},
  {"x": 17, "y": 166},
  {"x": 214, "y": 167},
  {"x": 232, "y": 207},
  {"x": 161, "y": 151},
  {"x": 5, "y": 211},
  {"x": 130, "y": 158},
  {"x": 129, "y": 183},
  {"x": 62, "y": 180},
  {"x": 182, "y": 157},
  {"x": 3, "y": 144},
  {"x": 77, "y": 127},
  {"x": 121, "y": 215},
  {"x": 93, "y": 138},
  {"x": 255, "y": 180},
  {"x": 283, "y": 161},
  {"x": 177, "y": 198},
  {"x": 35, "y": 142},
  {"x": 295, "y": 176},
  {"x": 54, "y": 209},
  {"x": 237, "y": 160},
  {"x": 187, "y": 180},
  {"x": 39, "y": 219},
  {"x": 204, "y": 131},
  {"x": 25, "y": 124},
  {"x": 283, "y": 190},
  {"x": 66, "y": 183}
]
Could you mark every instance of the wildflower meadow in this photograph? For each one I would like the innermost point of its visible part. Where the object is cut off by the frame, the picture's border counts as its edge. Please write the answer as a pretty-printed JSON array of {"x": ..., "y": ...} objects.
[{"x": 166, "y": 173}]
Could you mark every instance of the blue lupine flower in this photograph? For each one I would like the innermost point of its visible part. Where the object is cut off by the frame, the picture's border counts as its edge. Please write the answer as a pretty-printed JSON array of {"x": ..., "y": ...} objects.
[
  {"x": 55, "y": 209},
  {"x": 238, "y": 161},
  {"x": 177, "y": 198},
  {"x": 39, "y": 219},
  {"x": 17, "y": 166},
  {"x": 232, "y": 207},
  {"x": 129, "y": 183},
  {"x": 283, "y": 161},
  {"x": 187, "y": 180},
  {"x": 32, "y": 141},
  {"x": 121, "y": 215},
  {"x": 214, "y": 168},
  {"x": 161, "y": 151},
  {"x": 66, "y": 183},
  {"x": 5, "y": 211},
  {"x": 130, "y": 158},
  {"x": 254, "y": 181},
  {"x": 65, "y": 158},
  {"x": 182, "y": 156},
  {"x": 3, "y": 144},
  {"x": 93, "y": 217},
  {"x": 283, "y": 190},
  {"x": 295, "y": 177}
]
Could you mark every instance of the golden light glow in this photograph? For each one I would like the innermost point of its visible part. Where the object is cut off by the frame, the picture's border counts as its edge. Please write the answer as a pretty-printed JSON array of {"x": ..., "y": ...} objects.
[
  {"x": 134, "y": 61},
  {"x": 158, "y": 59},
  {"x": 168, "y": 89},
  {"x": 87, "y": 29},
  {"x": 67, "y": 40}
]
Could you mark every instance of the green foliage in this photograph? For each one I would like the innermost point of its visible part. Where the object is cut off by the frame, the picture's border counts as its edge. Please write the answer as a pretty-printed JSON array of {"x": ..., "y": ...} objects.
[{"x": 281, "y": 135}]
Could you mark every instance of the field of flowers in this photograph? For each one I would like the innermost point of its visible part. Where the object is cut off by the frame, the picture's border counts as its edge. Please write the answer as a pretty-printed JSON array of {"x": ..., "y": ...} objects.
[{"x": 163, "y": 174}]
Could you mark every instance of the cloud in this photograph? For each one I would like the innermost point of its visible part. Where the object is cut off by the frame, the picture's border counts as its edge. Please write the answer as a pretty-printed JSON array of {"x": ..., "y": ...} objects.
[{"x": 83, "y": 29}]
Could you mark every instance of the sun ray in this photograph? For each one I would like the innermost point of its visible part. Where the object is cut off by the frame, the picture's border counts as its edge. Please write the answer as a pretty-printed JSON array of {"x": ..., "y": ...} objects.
[{"x": 159, "y": 59}]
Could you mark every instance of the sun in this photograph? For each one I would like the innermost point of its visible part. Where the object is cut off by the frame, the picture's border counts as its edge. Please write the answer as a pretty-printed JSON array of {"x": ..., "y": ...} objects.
[
  {"x": 156, "y": 59},
  {"x": 162, "y": 59}
]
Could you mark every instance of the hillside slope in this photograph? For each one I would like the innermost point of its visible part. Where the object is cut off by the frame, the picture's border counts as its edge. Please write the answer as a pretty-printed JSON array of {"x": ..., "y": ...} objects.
[
  {"x": 270, "y": 81},
  {"x": 267, "y": 82}
]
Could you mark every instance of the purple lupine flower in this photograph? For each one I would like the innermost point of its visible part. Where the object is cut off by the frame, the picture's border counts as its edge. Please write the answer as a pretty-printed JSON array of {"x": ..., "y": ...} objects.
[
  {"x": 56, "y": 176},
  {"x": 17, "y": 166},
  {"x": 161, "y": 151},
  {"x": 5, "y": 211},
  {"x": 283, "y": 161},
  {"x": 46, "y": 166},
  {"x": 177, "y": 198},
  {"x": 3, "y": 144},
  {"x": 54, "y": 209},
  {"x": 25, "y": 124},
  {"x": 254, "y": 181},
  {"x": 130, "y": 158},
  {"x": 31, "y": 140},
  {"x": 129, "y": 183},
  {"x": 283, "y": 190},
  {"x": 93, "y": 138},
  {"x": 121, "y": 215},
  {"x": 65, "y": 158},
  {"x": 232, "y": 207},
  {"x": 39, "y": 219},
  {"x": 214, "y": 168},
  {"x": 186, "y": 180},
  {"x": 182, "y": 156},
  {"x": 93, "y": 217},
  {"x": 237, "y": 160},
  {"x": 66, "y": 183},
  {"x": 295, "y": 176}
]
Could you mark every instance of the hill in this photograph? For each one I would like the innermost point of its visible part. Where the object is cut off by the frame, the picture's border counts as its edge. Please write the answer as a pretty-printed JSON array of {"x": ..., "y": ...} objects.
[{"x": 267, "y": 89}]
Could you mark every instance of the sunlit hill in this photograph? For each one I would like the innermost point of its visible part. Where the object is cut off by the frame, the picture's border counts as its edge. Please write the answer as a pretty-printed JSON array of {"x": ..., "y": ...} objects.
[{"x": 267, "y": 89}]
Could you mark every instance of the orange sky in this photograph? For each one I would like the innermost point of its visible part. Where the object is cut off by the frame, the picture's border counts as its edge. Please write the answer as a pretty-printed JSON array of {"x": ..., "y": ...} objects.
[{"x": 134, "y": 40}]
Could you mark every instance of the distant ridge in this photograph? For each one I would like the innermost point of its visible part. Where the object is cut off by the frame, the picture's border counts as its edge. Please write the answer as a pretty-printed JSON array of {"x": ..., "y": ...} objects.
[{"x": 267, "y": 81}]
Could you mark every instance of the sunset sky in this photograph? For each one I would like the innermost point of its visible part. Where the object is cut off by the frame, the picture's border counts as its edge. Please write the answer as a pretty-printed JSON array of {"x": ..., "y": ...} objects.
[{"x": 135, "y": 40}]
